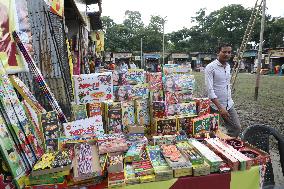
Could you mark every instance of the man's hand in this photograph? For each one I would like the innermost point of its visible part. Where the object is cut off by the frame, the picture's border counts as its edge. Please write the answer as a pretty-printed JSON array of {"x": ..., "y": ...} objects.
[{"x": 224, "y": 113}]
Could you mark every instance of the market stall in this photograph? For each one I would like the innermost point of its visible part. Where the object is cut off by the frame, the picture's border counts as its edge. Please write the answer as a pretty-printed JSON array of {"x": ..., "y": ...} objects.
[{"x": 127, "y": 128}]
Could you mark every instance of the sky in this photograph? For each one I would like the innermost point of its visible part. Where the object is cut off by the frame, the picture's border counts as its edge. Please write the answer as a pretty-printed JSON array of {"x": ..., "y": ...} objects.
[{"x": 178, "y": 13}]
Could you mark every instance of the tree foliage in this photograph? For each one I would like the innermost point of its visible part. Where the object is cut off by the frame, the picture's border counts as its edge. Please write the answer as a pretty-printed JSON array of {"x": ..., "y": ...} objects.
[{"x": 227, "y": 24}]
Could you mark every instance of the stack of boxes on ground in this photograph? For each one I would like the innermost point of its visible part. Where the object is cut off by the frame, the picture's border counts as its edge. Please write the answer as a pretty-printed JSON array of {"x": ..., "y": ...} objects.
[{"x": 112, "y": 114}]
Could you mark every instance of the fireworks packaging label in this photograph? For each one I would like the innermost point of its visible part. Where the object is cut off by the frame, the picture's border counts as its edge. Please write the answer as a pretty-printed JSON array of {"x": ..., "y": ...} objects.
[
  {"x": 155, "y": 81},
  {"x": 78, "y": 111},
  {"x": 135, "y": 76},
  {"x": 89, "y": 88},
  {"x": 128, "y": 115},
  {"x": 51, "y": 130},
  {"x": 92, "y": 125}
]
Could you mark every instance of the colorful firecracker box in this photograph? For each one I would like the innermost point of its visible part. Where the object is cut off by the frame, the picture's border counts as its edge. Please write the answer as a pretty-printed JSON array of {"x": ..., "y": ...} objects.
[
  {"x": 161, "y": 168},
  {"x": 136, "y": 139},
  {"x": 115, "y": 164},
  {"x": 96, "y": 87},
  {"x": 165, "y": 126},
  {"x": 136, "y": 76},
  {"x": 258, "y": 156},
  {"x": 179, "y": 82},
  {"x": 147, "y": 178},
  {"x": 53, "y": 163},
  {"x": 229, "y": 151},
  {"x": 78, "y": 111},
  {"x": 116, "y": 179},
  {"x": 134, "y": 152},
  {"x": 51, "y": 130},
  {"x": 119, "y": 78},
  {"x": 182, "y": 171},
  {"x": 227, "y": 157},
  {"x": 122, "y": 93},
  {"x": 185, "y": 123},
  {"x": 166, "y": 139},
  {"x": 131, "y": 92},
  {"x": 94, "y": 109},
  {"x": 175, "y": 68},
  {"x": 188, "y": 108},
  {"x": 134, "y": 129},
  {"x": 156, "y": 95},
  {"x": 155, "y": 81},
  {"x": 201, "y": 169},
  {"x": 10, "y": 156},
  {"x": 18, "y": 121},
  {"x": 108, "y": 143},
  {"x": 143, "y": 168},
  {"x": 190, "y": 152},
  {"x": 86, "y": 163},
  {"x": 174, "y": 157},
  {"x": 47, "y": 179},
  {"x": 26, "y": 94},
  {"x": 110, "y": 104},
  {"x": 114, "y": 121},
  {"x": 140, "y": 91},
  {"x": 130, "y": 174},
  {"x": 203, "y": 106},
  {"x": 158, "y": 109},
  {"x": 128, "y": 117},
  {"x": 92, "y": 125},
  {"x": 203, "y": 124},
  {"x": 175, "y": 97},
  {"x": 209, "y": 156},
  {"x": 142, "y": 112}
]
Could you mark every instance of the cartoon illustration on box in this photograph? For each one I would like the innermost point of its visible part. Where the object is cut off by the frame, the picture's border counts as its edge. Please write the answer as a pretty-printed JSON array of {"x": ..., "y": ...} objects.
[
  {"x": 50, "y": 128},
  {"x": 166, "y": 126},
  {"x": 96, "y": 87}
]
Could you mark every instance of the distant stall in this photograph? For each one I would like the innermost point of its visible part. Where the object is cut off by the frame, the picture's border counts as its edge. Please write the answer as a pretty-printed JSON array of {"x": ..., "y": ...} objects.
[
  {"x": 152, "y": 62},
  {"x": 179, "y": 58}
]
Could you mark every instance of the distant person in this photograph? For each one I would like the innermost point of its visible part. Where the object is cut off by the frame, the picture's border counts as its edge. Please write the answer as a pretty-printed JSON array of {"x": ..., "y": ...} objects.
[
  {"x": 92, "y": 65},
  {"x": 217, "y": 82},
  {"x": 132, "y": 65},
  {"x": 282, "y": 68},
  {"x": 111, "y": 66}
]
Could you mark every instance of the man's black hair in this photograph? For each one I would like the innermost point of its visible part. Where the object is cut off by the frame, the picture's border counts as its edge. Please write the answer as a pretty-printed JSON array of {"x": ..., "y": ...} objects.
[{"x": 223, "y": 45}]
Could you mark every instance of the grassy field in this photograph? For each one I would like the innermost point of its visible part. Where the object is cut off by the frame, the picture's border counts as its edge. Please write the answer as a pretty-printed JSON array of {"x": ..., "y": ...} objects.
[{"x": 268, "y": 109}]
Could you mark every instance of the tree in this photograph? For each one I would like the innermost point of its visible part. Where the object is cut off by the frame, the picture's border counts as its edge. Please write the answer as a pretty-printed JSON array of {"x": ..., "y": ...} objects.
[
  {"x": 135, "y": 26},
  {"x": 153, "y": 35},
  {"x": 274, "y": 33}
]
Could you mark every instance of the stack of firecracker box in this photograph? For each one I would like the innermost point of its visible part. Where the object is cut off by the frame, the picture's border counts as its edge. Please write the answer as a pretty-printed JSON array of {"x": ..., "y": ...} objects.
[{"x": 106, "y": 134}]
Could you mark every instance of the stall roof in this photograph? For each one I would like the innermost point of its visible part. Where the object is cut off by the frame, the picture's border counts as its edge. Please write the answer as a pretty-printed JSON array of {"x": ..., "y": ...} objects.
[
  {"x": 250, "y": 53},
  {"x": 154, "y": 56}
]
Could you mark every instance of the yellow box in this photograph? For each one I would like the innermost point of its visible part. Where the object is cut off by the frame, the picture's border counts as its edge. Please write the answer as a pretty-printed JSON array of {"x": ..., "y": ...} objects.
[{"x": 182, "y": 172}]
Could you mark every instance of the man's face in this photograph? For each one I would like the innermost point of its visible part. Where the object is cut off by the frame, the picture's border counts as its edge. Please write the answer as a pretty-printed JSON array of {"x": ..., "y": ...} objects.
[{"x": 225, "y": 54}]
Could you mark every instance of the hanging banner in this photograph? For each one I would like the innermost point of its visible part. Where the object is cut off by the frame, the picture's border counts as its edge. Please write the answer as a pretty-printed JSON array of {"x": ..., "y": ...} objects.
[
  {"x": 14, "y": 16},
  {"x": 57, "y": 7},
  {"x": 98, "y": 37}
]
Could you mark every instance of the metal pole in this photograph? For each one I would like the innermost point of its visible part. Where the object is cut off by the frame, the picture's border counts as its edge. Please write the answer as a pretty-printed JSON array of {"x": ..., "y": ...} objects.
[
  {"x": 164, "y": 20},
  {"x": 260, "y": 51},
  {"x": 141, "y": 55}
]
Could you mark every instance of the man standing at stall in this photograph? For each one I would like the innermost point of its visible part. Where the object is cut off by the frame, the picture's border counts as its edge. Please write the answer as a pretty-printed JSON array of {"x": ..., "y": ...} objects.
[{"x": 217, "y": 82}]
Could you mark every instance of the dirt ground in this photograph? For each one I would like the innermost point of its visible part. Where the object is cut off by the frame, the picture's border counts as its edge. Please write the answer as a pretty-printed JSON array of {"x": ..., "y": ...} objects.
[{"x": 268, "y": 109}]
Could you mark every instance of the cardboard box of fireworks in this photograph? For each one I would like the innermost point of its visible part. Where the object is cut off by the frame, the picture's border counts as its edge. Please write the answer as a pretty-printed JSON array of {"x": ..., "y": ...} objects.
[{"x": 50, "y": 169}]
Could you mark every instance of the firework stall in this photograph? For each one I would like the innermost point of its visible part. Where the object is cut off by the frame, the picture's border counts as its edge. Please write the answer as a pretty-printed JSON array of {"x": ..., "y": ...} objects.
[{"x": 64, "y": 128}]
